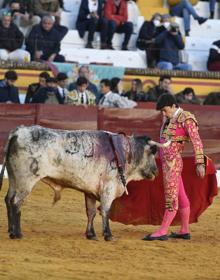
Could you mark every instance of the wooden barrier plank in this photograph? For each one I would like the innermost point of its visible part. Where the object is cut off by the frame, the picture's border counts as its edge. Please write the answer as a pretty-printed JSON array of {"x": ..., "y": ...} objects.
[{"x": 67, "y": 116}]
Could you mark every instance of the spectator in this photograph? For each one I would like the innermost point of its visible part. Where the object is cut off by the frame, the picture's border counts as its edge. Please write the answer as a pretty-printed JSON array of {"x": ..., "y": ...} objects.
[
  {"x": 81, "y": 95},
  {"x": 149, "y": 30},
  {"x": 213, "y": 63},
  {"x": 115, "y": 11},
  {"x": 212, "y": 98},
  {"x": 170, "y": 42},
  {"x": 166, "y": 20},
  {"x": 62, "y": 81},
  {"x": 47, "y": 7},
  {"x": 43, "y": 8},
  {"x": 48, "y": 94},
  {"x": 164, "y": 86},
  {"x": 212, "y": 8},
  {"x": 8, "y": 92},
  {"x": 11, "y": 41},
  {"x": 85, "y": 72},
  {"x": 110, "y": 99},
  {"x": 133, "y": 14},
  {"x": 22, "y": 15},
  {"x": 185, "y": 9},
  {"x": 33, "y": 88},
  {"x": 116, "y": 85},
  {"x": 136, "y": 92},
  {"x": 187, "y": 96},
  {"x": 43, "y": 41},
  {"x": 90, "y": 18}
]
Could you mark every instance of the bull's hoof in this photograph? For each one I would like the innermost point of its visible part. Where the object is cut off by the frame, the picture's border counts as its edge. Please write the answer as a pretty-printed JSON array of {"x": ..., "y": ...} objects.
[
  {"x": 108, "y": 238},
  {"x": 92, "y": 237},
  {"x": 15, "y": 236}
]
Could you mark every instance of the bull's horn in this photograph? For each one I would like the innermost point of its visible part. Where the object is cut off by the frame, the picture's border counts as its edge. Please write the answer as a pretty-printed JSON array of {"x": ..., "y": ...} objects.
[{"x": 164, "y": 145}]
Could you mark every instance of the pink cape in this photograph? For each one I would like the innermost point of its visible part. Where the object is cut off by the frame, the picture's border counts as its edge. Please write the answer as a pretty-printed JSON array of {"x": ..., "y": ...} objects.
[{"x": 145, "y": 202}]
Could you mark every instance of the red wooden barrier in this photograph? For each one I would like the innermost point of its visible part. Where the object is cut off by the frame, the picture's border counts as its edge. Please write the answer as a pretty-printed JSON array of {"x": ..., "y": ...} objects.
[{"x": 142, "y": 120}]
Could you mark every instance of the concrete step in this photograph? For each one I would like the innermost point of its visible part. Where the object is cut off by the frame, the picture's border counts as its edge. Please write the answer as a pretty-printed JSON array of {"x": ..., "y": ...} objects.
[{"x": 130, "y": 59}]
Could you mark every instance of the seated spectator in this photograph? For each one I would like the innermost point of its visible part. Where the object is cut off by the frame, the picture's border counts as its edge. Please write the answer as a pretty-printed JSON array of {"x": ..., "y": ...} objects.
[
  {"x": 47, "y": 7},
  {"x": 85, "y": 72},
  {"x": 184, "y": 9},
  {"x": 164, "y": 86},
  {"x": 11, "y": 41},
  {"x": 170, "y": 42},
  {"x": 43, "y": 41},
  {"x": 213, "y": 63},
  {"x": 62, "y": 81},
  {"x": 149, "y": 30},
  {"x": 90, "y": 18},
  {"x": 43, "y": 8},
  {"x": 133, "y": 14},
  {"x": 110, "y": 99},
  {"x": 22, "y": 15},
  {"x": 116, "y": 12},
  {"x": 8, "y": 92},
  {"x": 116, "y": 85},
  {"x": 33, "y": 88},
  {"x": 81, "y": 95},
  {"x": 212, "y": 8},
  {"x": 48, "y": 94},
  {"x": 187, "y": 96},
  {"x": 212, "y": 98},
  {"x": 136, "y": 92}
]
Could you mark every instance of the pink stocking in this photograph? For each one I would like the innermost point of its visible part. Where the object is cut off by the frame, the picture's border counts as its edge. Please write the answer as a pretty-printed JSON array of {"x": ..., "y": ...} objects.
[
  {"x": 167, "y": 220},
  {"x": 184, "y": 206},
  {"x": 184, "y": 215}
]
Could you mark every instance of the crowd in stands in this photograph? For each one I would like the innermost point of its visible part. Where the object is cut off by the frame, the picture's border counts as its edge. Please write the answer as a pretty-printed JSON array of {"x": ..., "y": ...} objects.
[
  {"x": 31, "y": 30},
  {"x": 111, "y": 93}
]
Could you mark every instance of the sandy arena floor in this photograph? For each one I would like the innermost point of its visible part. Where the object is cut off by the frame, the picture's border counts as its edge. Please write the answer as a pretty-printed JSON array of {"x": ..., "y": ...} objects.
[{"x": 54, "y": 246}]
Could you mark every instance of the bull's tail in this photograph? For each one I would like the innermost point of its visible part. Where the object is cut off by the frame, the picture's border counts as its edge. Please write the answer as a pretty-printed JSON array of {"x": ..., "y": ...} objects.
[{"x": 11, "y": 136}]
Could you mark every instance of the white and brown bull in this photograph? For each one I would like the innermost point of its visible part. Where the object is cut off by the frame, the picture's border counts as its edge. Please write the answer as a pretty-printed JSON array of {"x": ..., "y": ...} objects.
[{"x": 97, "y": 163}]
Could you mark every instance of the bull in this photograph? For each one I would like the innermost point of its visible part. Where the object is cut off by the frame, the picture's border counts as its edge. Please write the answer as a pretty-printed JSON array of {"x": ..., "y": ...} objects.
[{"x": 98, "y": 163}]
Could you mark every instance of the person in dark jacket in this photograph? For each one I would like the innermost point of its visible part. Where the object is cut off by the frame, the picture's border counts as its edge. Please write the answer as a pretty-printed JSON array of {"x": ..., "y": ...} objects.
[
  {"x": 8, "y": 92},
  {"x": 22, "y": 15},
  {"x": 149, "y": 30},
  {"x": 43, "y": 41},
  {"x": 213, "y": 63},
  {"x": 33, "y": 88},
  {"x": 136, "y": 92},
  {"x": 90, "y": 18},
  {"x": 187, "y": 96},
  {"x": 11, "y": 40},
  {"x": 213, "y": 98},
  {"x": 170, "y": 42},
  {"x": 116, "y": 12},
  {"x": 48, "y": 94},
  {"x": 164, "y": 86}
]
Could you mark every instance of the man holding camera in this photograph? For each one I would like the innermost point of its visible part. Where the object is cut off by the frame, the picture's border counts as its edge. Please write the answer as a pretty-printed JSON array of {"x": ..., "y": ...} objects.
[{"x": 170, "y": 42}]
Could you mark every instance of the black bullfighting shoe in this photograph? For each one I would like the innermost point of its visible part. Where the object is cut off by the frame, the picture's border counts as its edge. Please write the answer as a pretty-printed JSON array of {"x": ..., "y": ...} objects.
[
  {"x": 152, "y": 238},
  {"x": 185, "y": 236}
]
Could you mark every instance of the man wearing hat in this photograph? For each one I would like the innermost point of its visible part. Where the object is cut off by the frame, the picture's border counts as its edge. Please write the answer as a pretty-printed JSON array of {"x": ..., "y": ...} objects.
[{"x": 179, "y": 127}]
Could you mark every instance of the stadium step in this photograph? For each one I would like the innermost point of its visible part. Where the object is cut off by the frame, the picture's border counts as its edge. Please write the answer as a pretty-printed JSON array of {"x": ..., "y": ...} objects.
[{"x": 130, "y": 59}]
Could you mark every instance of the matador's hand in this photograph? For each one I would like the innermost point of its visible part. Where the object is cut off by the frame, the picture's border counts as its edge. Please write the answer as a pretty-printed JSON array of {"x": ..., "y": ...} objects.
[{"x": 200, "y": 170}]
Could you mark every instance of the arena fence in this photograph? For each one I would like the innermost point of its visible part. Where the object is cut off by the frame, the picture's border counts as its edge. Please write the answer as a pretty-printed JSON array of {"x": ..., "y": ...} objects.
[{"x": 142, "y": 120}]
